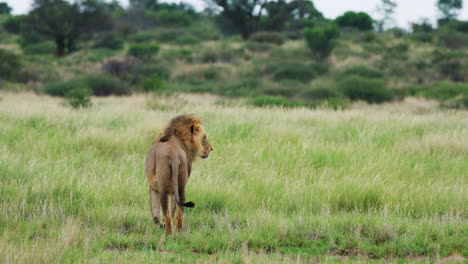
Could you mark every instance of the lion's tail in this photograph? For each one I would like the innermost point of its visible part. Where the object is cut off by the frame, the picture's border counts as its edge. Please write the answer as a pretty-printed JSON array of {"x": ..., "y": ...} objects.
[{"x": 175, "y": 183}]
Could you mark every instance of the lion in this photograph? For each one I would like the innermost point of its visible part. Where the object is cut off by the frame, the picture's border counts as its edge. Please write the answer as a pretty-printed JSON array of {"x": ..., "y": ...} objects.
[{"x": 169, "y": 165}]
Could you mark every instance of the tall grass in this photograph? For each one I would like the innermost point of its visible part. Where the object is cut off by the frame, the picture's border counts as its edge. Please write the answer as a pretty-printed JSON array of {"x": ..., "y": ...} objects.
[{"x": 282, "y": 185}]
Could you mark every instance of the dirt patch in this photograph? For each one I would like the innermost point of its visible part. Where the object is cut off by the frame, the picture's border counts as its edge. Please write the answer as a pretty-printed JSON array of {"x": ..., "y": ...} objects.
[{"x": 453, "y": 258}]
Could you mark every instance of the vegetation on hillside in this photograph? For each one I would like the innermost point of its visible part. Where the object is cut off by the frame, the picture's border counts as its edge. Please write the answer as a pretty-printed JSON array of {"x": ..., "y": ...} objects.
[{"x": 285, "y": 50}]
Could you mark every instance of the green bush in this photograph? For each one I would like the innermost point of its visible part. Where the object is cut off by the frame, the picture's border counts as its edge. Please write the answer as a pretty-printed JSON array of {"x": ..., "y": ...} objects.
[
  {"x": 243, "y": 87},
  {"x": 143, "y": 51},
  {"x": 187, "y": 39},
  {"x": 109, "y": 41},
  {"x": 154, "y": 84},
  {"x": 217, "y": 54},
  {"x": 79, "y": 97},
  {"x": 360, "y": 70},
  {"x": 361, "y": 20},
  {"x": 13, "y": 24},
  {"x": 173, "y": 17},
  {"x": 268, "y": 37},
  {"x": 446, "y": 90},
  {"x": 293, "y": 71},
  {"x": 204, "y": 30},
  {"x": 99, "y": 85},
  {"x": 320, "y": 92},
  {"x": 278, "y": 101},
  {"x": 143, "y": 37},
  {"x": 371, "y": 90},
  {"x": 46, "y": 47},
  {"x": 10, "y": 65},
  {"x": 322, "y": 40}
]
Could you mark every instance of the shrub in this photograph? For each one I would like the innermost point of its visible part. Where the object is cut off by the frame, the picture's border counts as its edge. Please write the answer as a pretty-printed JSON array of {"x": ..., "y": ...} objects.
[
  {"x": 109, "y": 41},
  {"x": 293, "y": 71},
  {"x": 187, "y": 40},
  {"x": 46, "y": 47},
  {"x": 320, "y": 92},
  {"x": 143, "y": 51},
  {"x": 205, "y": 30},
  {"x": 446, "y": 90},
  {"x": 119, "y": 67},
  {"x": 279, "y": 101},
  {"x": 322, "y": 41},
  {"x": 268, "y": 37},
  {"x": 217, "y": 54},
  {"x": 173, "y": 17},
  {"x": 10, "y": 65},
  {"x": 13, "y": 24},
  {"x": 154, "y": 84},
  {"x": 243, "y": 87},
  {"x": 452, "y": 39},
  {"x": 143, "y": 37},
  {"x": 99, "y": 85},
  {"x": 360, "y": 70},
  {"x": 361, "y": 20},
  {"x": 370, "y": 90},
  {"x": 336, "y": 103},
  {"x": 258, "y": 46},
  {"x": 79, "y": 97}
]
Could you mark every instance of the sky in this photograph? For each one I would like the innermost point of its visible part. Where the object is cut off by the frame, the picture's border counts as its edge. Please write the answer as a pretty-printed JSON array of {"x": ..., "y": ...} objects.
[{"x": 408, "y": 10}]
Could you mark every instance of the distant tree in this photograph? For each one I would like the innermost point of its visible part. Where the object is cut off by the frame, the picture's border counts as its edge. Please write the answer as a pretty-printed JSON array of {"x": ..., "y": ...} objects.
[
  {"x": 66, "y": 22},
  {"x": 361, "y": 20},
  {"x": 423, "y": 26},
  {"x": 5, "y": 8},
  {"x": 243, "y": 15},
  {"x": 449, "y": 9},
  {"x": 322, "y": 40},
  {"x": 386, "y": 10},
  {"x": 293, "y": 15}
]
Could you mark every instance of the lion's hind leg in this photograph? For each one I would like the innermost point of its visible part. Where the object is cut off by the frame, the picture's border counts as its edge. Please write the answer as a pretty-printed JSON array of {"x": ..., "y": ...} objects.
[
  {"x": 155, "y": 207},
  {"x": 164, "y": 198}
]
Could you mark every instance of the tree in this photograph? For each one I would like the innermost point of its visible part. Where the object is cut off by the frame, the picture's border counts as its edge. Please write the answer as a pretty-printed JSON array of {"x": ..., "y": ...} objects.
[
  {"x": 5, "y": 8},
  {"x": 66, "y": 22},
  {"x": 322, "y": 40},
  {"x": 386, "y": 10},
  {"x": 291, "y": 15},
  {"x": 449, "y": 9},
  {"x": 244, "y": 15},
  {"x": 361, "y": 20}
]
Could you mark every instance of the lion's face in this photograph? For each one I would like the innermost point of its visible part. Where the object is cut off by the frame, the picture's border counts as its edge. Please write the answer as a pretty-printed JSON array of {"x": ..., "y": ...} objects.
[{"x": 207, "y": 148}]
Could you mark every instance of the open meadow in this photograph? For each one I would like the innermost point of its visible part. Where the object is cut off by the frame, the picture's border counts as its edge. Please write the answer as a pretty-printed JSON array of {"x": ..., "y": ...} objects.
[{"x": 367, "y": 184}]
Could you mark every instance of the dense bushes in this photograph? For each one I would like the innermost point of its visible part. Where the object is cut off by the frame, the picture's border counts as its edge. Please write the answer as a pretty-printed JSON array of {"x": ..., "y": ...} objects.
[
  {"x": 322, "y": 40},
  {"x": 143, "y": 51},
  {"x": 10, "y": 65},
  {"x": 109, "y": 41},
  {"x": 361, "y": 20},
  {"x": 99, "y": 85},
  {"x": 46, "y": 47},
  {"x": 268, "y": 37},
  {"x": 370, "y": 90},
  {"x": 360, "y": 70},
  {"x": 294, "y": 71}
]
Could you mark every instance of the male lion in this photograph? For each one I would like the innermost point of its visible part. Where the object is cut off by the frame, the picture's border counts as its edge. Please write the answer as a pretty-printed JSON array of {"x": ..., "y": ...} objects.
[{"x": 169, "y": 164}]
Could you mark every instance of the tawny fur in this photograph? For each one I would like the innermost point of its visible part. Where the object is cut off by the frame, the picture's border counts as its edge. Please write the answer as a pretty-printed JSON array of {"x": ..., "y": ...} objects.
[{"x": 168, "y": 166}]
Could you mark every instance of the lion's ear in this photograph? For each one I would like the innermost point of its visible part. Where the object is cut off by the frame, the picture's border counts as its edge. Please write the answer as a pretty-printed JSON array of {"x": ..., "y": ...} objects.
[
  {"x": 166, "y": 136},
  {"x": 192, "y": 129}
]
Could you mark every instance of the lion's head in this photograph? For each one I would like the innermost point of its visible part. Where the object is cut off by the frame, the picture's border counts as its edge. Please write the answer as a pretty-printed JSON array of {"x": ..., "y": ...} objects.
[{"x": 191, "y": 134}]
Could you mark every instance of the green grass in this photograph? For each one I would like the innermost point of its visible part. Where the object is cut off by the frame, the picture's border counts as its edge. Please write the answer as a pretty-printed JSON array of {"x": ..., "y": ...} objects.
[{"x": 282, "y": 185}]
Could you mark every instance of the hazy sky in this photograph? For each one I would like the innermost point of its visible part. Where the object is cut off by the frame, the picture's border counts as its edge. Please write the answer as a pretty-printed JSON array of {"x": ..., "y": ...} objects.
[{"x": 408, "y": 10}]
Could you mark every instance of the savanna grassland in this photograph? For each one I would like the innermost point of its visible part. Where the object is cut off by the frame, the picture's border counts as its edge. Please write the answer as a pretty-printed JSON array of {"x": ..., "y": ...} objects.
[{"x": 367, "y": 184}]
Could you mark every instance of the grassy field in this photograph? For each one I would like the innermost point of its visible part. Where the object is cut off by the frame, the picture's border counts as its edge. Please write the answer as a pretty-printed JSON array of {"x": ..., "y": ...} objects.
[{"x": 368, "y": 184}]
